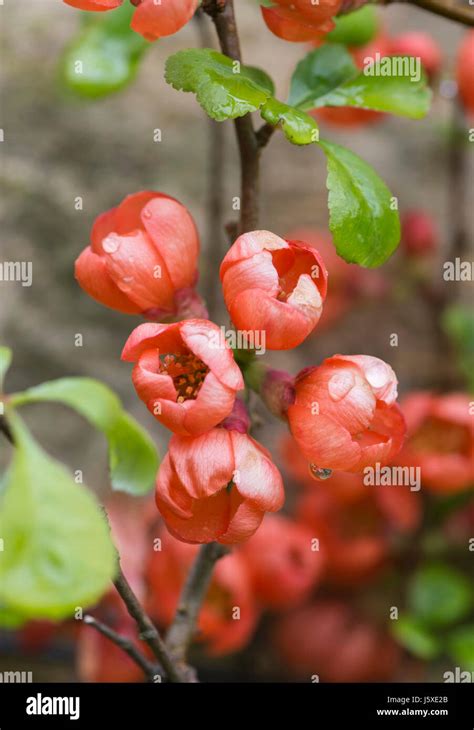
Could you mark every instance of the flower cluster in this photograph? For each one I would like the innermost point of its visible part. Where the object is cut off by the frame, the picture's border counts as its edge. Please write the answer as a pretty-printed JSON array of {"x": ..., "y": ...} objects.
[{"x": 216, "y": 482}]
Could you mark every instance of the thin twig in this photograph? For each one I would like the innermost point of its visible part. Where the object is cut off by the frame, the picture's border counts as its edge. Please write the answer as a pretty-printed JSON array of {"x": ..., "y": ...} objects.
[
  {"x": 150, "y": 670},
  {"x": 450, "y": 9},
  {"x": 215, "y": 187},
  {"x": 183, "y": 629},
  {"x": 148, "y": 631},
  {"x": 222, "y": 13}
]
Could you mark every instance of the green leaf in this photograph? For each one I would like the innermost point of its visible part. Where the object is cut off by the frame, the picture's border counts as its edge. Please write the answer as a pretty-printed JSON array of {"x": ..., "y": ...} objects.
[
  {"x": 458, "y": 323},
  {"x": 105, "y": 55},
  {"x": 5, "y": 361},
  {"x": 261, "y": 78},
  {"x": 414, "y": 636},
  {"x": 439, "y": 595},
  {"x": 356, "y": 28},
  {"x": 392, "y": 94},
  {"x": 57, "y": 549},
  {"x": 365, "y": 229},
  {"x": 298, "y": 127},
  {"x": 328, "y": 76},
  {"x": 318, "y": 73},
  {"x": 223, "y": 89},
  {"x": 461, "y": 646},
  {"x": 132, "y": 455}
]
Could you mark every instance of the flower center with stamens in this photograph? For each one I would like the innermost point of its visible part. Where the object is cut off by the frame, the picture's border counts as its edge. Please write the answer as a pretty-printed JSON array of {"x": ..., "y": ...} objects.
[{"x": 188, "y": 373}]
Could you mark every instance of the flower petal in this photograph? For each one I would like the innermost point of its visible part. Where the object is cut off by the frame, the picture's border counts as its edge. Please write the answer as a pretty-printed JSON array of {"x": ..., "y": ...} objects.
[
  {"x": 154, "y": 20},
  {"x": 174, "y": 233},
  {"x": 204, "y": 464},
  {"x": 257, "y": 478},
  {"x": 322, "y": 440},
  {"x": 148, "y": 336},
  {"x": 91, "y": 273},
  {"x": 138, "y": 270}
]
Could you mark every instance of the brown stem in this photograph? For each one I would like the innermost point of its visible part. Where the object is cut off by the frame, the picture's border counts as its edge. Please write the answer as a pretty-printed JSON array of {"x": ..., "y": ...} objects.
[
  {"x": 183, "y": 629},
  {"x": 150, "y": 670},
  {"x": 215, "y": 188},
  {"x": 148, "y": 631},
  {"x": 222, "y": 13},
  {"x": 451, "y": 9}
]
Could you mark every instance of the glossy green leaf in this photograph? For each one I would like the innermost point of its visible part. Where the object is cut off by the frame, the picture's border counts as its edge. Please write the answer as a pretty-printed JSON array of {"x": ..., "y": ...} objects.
[
  {"x": 414, "y": 636},
  {"x": 439, "y": 595},
  {"x": 298, "y": 127},
  {"x": 400, "y": 94},
  {"x": 5, "y": 361},
  {"x": 318, "y": 73},
  {"x": 105, "y": 56},
  {"x": 223, "y": 88},
  {"x": 356, "y": 28},
  {"x": 365, "y": 229},
  {"x": 460, "y": 645},
  {"x": 132, "y": 455},
  {"x": 57, "y": 551},
  {"x": 261, "y": 78}
]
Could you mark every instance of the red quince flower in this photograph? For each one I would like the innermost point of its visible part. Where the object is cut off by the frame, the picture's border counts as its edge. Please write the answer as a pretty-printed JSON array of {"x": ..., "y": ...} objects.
[
  {"x": 440, "y": 440},
  {"x": 465, "y": 72},
  {"x": 151, "y": 19},
  {"x": 300, "y": 20},
  {"x": 329, "y": 639},
  {"x": 185, "y": 373},
  {"x": 230, "y": 587},
  {"x": 217, "y": 486},
  {"x": 143, "y": 256},
  {"x": 345, "y": 416},
  {"x": 281, "y": 561},
  {"x": 274, "y": 286}
]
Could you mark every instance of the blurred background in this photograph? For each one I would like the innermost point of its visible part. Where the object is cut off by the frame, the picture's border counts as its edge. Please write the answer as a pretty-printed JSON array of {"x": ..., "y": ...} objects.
[{"x": 405, "y": 552}]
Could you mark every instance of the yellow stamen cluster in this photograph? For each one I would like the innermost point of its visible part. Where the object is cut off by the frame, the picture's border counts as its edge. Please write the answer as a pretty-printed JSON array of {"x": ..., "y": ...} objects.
[{"x": 188, "y": 373}]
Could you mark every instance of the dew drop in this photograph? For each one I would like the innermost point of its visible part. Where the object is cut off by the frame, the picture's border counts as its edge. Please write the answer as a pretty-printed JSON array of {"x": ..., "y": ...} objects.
[
  {"x": 377, "y": 376},
  {"x": 318, "y": 473},
  {"x": 147, "y": 214},
  {"x": 111, "y": 244},
  {"x": 127, "y": 279}
]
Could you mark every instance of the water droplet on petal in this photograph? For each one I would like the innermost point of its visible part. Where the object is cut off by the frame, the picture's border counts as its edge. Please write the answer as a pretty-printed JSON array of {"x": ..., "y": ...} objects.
[
  {"x": 340, "y": 385},
  {"x": 147, "y": 214},
  {"x": 111, "y": 244},
  {"x": 318, "y": 473},
  {"x": 127, "y": 279},
  {"x": 377, "y": 375}
]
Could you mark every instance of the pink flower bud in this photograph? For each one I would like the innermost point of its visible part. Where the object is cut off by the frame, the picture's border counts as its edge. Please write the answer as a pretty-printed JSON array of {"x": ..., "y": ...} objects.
[{"x": 142, "y": 258}]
